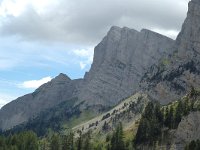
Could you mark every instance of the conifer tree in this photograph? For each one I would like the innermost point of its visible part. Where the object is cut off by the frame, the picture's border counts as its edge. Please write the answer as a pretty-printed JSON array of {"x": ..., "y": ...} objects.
[
  {"x": 117, "y": 140},
  {"x": 171, "y": 117},
  {"x": 79, "y": 142},
  {"x": 55, "y": 142},
  {"x": 87, "y": 144}
]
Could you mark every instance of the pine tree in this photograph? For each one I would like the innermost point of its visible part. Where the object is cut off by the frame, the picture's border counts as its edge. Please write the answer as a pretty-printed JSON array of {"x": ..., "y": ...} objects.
[
  {"x": 121, "y": 144},
  {"x": 178, "y": 114},
  {"x": 171, "y": 117},
  {"x": 71, "y": 141},
  {"x": 87, "y": 145},
  {"x": 167, "y": 118},
  {"x": 79, "y": 142},
  {"x": 55, "y": 142},
  {"x": 117, "y": 140},
  {"x": 65, "y": 143}
]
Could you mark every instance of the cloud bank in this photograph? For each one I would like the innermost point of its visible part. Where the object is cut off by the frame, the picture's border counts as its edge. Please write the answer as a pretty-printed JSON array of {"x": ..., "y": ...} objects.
[{"x": 87, "y": 21}]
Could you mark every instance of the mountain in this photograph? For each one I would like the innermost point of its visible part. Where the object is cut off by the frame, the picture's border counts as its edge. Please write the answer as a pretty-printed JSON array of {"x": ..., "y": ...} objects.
[
  {"x": 120, "y": 61},
  {"x": 128, "y": 111},
  {"x": 177, "y": 73},
  {"x": 143, "y": 81},
  {"x": 60, "y": 89}
]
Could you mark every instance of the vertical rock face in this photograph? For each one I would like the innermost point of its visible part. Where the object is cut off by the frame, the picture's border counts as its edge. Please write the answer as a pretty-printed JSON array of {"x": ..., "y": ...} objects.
[
  {"x": 175, "y": 74},
  {"x": 120, "y": 61},
  {"x": 189, "y": 37}
]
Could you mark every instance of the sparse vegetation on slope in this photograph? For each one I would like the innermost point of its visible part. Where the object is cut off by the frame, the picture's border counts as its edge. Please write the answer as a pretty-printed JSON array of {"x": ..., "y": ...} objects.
[{"x": 157, "y": 120}]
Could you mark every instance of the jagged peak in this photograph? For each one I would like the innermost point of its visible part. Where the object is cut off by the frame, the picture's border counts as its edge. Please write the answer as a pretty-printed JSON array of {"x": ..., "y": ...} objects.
[
  {"x": 147, "y": 31},
  {"x": 62, "y": 76},
  {"x": 114, "y": 28},
  {"x": 117, "y": 31},
  {"x": 120, "y": 29}
]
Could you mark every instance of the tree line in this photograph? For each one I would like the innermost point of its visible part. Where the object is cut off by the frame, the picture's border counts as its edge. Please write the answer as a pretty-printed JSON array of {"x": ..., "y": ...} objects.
[{"x": 156, "y": 118}]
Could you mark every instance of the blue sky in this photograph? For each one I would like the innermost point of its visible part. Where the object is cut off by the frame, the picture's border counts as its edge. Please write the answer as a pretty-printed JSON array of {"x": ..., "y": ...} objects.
[
  {"x": 25, "y": 65},
  {"x": 40, "y": 39}
]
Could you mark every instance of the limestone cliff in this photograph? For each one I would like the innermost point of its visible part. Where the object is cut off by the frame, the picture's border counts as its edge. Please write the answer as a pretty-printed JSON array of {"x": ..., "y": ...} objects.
[
  {"x": 120, "y": 61},
  {"x": 174, "y": 75}
]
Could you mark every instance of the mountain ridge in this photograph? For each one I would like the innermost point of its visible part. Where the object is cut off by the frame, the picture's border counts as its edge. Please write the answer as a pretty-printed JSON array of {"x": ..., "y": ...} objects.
[
  {"x": 139, "y": 79},
  {"x": 124, "y": 62},
  {"x": 172, "y": 80},
  {"x": 99, "y": 86}
]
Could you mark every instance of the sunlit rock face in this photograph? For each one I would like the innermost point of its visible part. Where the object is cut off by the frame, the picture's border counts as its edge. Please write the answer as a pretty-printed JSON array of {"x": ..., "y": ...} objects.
[{"x": 120, "y": 60}]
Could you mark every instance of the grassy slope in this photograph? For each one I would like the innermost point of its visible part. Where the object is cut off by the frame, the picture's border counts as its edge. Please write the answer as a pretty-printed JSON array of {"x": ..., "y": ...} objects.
[{"x": 123, "y": 112}]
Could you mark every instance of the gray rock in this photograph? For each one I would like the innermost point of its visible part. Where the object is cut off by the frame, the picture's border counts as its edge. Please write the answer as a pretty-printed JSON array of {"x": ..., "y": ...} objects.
[
  {"x": 172, "y": 79},
  {"x": 188, "y": 128},
  {"x": 60, "y": 89},
  {"x": 120, "y": 61}
]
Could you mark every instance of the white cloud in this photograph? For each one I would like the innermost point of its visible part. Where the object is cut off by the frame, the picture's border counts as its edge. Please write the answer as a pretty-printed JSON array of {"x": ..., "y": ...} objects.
[
  {"x": 84, "y": 52},
  {"x": 71, "y": 21},
  {"x": 86, "y": 55},
  {"x": 33, "y": 84},
  {"x": 4, "y": 99},
  {"x": 17, "y": 7},
  {"x": 170, "y": 33},
  {"x": 82, "y": 65}
]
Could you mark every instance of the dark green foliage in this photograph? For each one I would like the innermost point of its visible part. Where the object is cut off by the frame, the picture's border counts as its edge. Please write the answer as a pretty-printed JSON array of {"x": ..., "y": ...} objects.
[
  {"x": 193, "y": 145},
  {"x": 106, "y": 116},
  {"x": 22, "y": 141},
  {"x": 87, "y": 142},
  {"x": 155, "y": 118},
  {"x": 105, "y": 126},
  {"x": 169, "y": 117},
  {"x": 117, "y": 140},
  {"x": 68, "y": 142},
  {"x": 79, "y": 141},
  {"x": 55, "y": 142},
  {"x": 150, "y": 125},
  {"x": 178, "y": 114}
]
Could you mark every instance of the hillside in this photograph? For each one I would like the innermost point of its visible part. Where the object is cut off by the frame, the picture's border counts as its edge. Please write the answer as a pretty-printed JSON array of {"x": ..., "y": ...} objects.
[
  {"x": 142, "y": 92},
  {"x": 147, "y": 124},
  {"x": 139, "y": 122},
  {"x": 128, "y": 111},
  {"x": 120, "y": 60}
]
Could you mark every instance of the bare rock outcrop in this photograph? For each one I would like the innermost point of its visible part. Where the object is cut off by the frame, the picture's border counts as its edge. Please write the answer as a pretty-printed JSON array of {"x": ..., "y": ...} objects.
[
  {"x": 188, "y": 128},
  {"x": 176, "y": 73}
]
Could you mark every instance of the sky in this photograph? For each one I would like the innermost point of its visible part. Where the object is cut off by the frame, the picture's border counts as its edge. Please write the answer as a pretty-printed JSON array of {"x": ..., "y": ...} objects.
[{"x": 41, "y": 38}]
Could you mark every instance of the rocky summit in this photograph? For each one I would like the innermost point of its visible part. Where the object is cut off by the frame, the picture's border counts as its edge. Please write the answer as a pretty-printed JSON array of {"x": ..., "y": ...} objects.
[
  {"x": 175, "y": 74},
  {"x": 120, "y": 60},
  {"x": 60, "y": 89}
]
